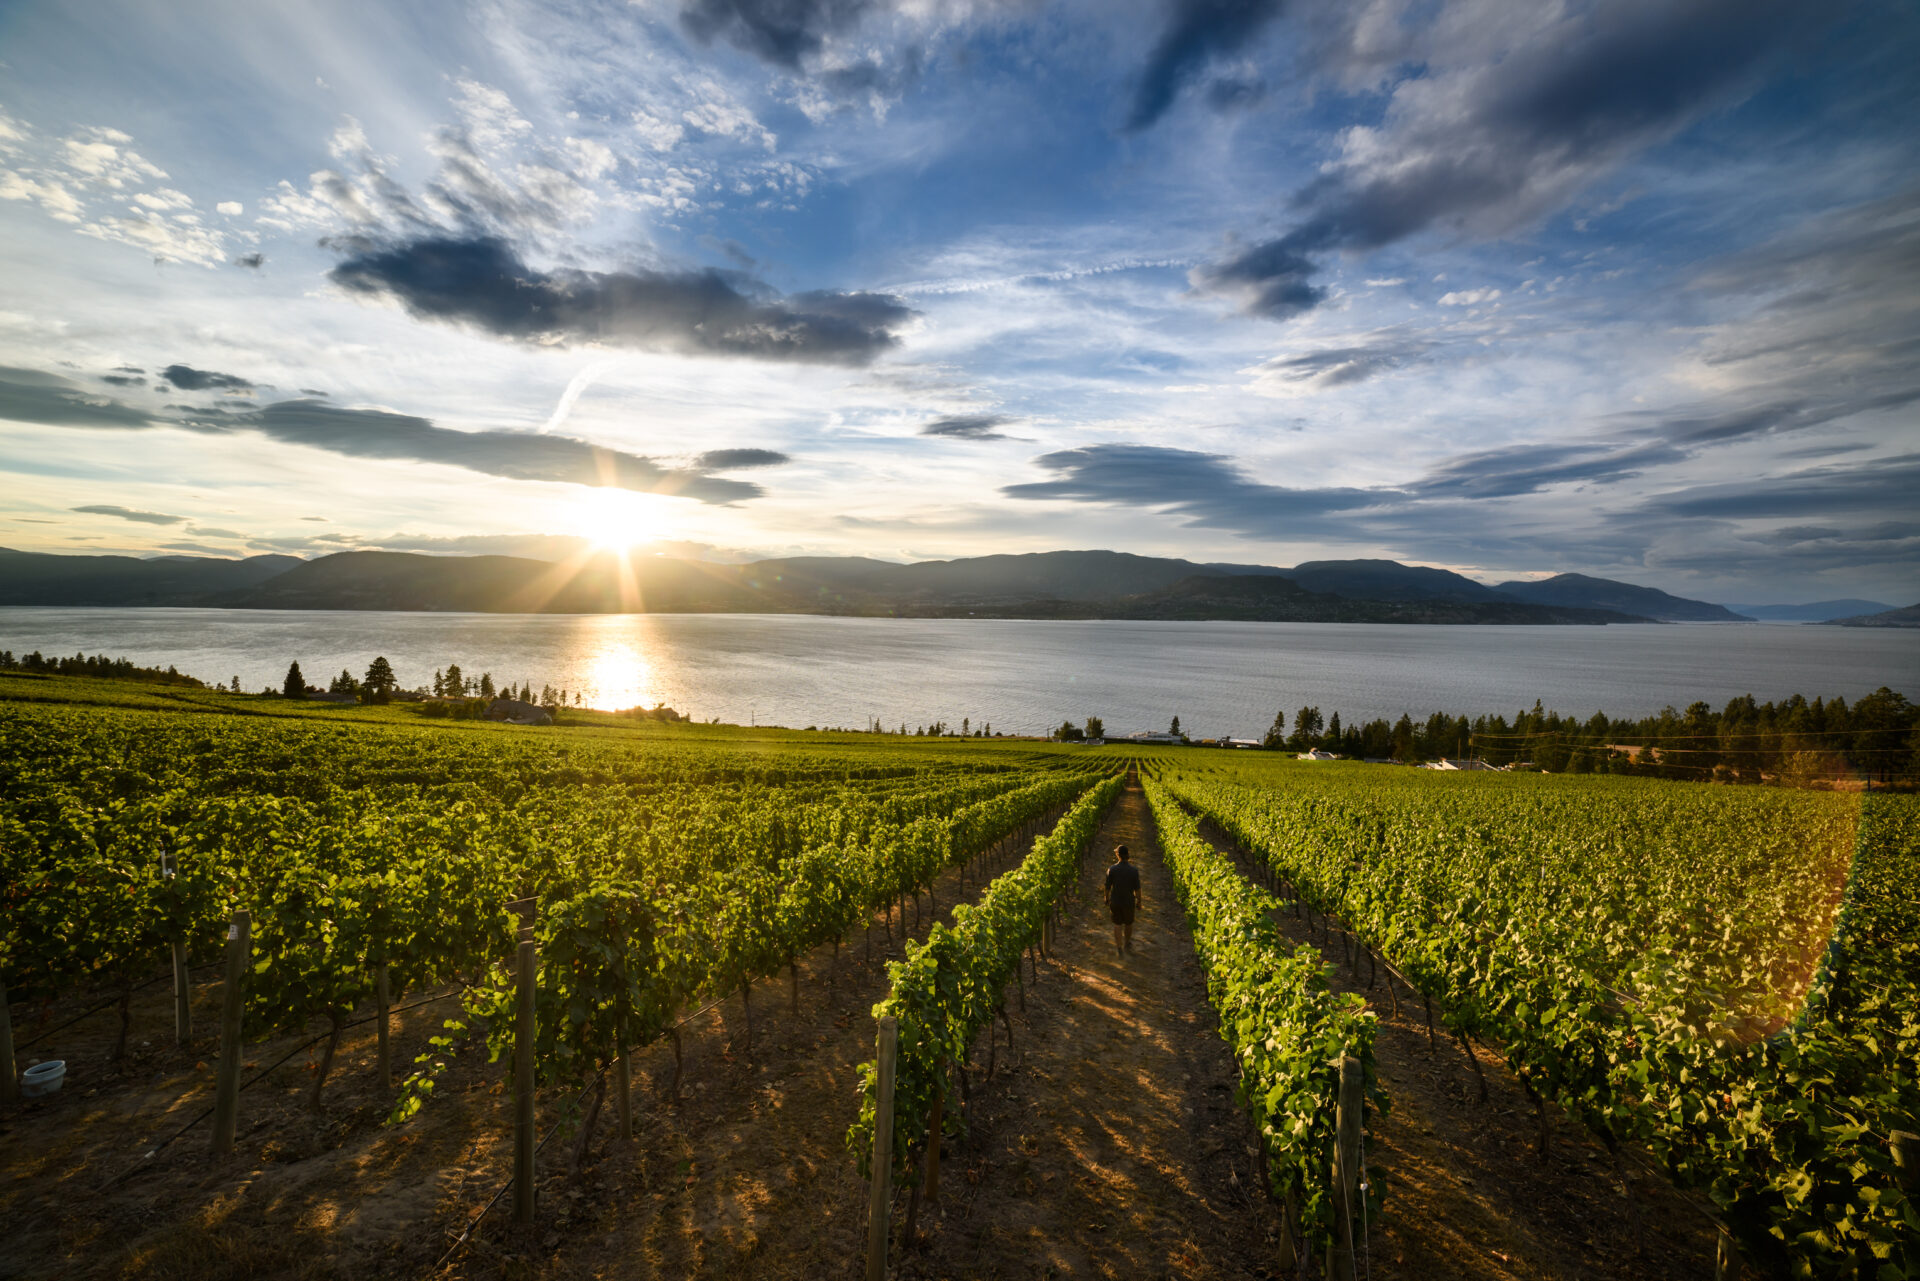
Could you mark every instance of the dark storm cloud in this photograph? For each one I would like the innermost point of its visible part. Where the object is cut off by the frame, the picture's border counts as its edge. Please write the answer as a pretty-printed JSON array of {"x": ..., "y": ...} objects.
[
  {"x": 734, "y": 459},
  {"x": 187, "y": 378},
  {"x": 1197, "y": 32},
  {"x": 123, "y": 380},
  {"x": 378, "y": 433},
  {"x": 128, "y": 513},
  {"x": 1206, "y": 489},
  {"x": 968, "y": 427},
  {"x": 783, "y": 32},
  {"x": 1488, "y": 149},
  {"x": 28, "y": 396},
  {"x": 481, "y": 281}
]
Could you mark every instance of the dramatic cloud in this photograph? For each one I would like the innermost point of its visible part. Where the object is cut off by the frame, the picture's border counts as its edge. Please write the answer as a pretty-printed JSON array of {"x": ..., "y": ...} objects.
[
  {"x": 482, "y": 282},
  {"x": 968, "y": 427},
  {"x": 377, "y": 433},
  {"x": 1883, "y": 486},
  {"x": 28, "y": 396},
  {"x": 1274, "y": 280},
  {"x": 1490, "y": 146},
  {"x": 1197, "y": 32},
  {"x": 1331, "y": 367},
  {"x": 1526, "y": 469},
  {"x": 783, "y": 32},
  {"x": 187, "y": 378},
  {"x": 737, "y": 459},
  {"x": 1206, "y": 490},
  {"x": 128, "y": 513},
  {"x": 34, "y": 397}
]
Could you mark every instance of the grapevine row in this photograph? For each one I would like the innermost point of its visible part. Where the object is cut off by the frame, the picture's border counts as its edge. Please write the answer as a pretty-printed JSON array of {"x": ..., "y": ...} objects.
[
  {"x": 949, "y": 986},
  {"x": 1287, "y": 1029},
  {"x": 1646, "y": 969}
]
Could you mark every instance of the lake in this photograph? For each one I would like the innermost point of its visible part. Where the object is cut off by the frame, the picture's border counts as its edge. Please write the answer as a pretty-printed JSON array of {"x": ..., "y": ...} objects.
[{"x": 1018, "y": 676}]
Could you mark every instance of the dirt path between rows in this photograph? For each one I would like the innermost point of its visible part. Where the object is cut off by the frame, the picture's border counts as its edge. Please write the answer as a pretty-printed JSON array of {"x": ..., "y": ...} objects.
[
  {"x": 1467, "y": 1195},
  {"x": 1110, "y": 1145}
]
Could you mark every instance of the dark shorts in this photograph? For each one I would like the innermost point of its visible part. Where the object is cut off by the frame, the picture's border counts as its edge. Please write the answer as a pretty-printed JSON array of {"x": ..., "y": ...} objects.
[{"x": 1122, "y": 915}]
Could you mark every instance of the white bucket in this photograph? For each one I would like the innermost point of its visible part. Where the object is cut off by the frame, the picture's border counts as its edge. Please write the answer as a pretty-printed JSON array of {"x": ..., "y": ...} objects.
[{"x": 42, "y": 1078}]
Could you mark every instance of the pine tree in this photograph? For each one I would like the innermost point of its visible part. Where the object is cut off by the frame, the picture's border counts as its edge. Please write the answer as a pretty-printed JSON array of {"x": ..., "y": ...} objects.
[
  {"x": 1276, "y": 733},
  {"x": 295, "y": 685},
  {"x": 380, "y": 682}
]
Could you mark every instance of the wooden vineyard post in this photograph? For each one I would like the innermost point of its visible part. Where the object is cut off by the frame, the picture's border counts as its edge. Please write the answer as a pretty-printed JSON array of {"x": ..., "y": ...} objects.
[
  {"x": 233, "y": 998},
  {"x": 623, "y": 1082},
  {"x": 1346, "y": 1169},
  {"x": 1726, "y": 1262},
  {"x": 879, "y": 1206},
  {"x": 182, "y": 992},
  {"x": 9, "y": 1083},
  {"x": 1906, "y": 1159},
  {"x": 524, "y": 1137},
  {"x": 934, "y": 1123},
  {"x": 182, "y": 995},
  {"x": 383, "y": 996}
]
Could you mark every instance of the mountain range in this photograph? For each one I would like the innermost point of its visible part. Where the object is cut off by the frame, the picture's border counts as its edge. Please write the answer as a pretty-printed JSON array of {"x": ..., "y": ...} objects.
[{"x": 1065, "y": 584}]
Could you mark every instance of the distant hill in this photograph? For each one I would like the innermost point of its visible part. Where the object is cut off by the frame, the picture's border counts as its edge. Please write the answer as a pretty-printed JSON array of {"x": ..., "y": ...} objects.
[
  {"x": 1906, "y": 617},
  {"x": 1065, "y": 576},
  {"x": 1820, "y": 611},
  {"x": 1582, "y": 591},
  {"x": 39, "y": 578},
  {"x": 1064, "y": 584},
  {"x": 1267, "y": 598},
  {"x": 1387, "y": 580}
]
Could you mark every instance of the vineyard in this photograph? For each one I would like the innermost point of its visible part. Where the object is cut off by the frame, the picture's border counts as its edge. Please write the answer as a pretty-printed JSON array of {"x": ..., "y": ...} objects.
[
  {"x": 1726, "y": 977},
  {"x": 833, "y": 938}
]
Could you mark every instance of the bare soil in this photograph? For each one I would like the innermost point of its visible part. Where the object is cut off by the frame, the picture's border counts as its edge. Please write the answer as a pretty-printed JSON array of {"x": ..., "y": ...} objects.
[{"x": 1111, "y": 1145}]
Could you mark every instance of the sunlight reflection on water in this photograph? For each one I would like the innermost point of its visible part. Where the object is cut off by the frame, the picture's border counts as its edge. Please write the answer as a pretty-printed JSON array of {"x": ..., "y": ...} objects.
[{"x": 1022, "y": 677}]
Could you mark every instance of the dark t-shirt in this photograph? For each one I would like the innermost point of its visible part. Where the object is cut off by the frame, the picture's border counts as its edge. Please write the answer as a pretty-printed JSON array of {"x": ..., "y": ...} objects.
[{"x": 1123, "y": 884}]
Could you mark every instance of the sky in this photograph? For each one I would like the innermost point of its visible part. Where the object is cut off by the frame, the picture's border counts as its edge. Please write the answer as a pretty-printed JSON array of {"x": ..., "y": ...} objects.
[{"x": 1512, "y": 287}]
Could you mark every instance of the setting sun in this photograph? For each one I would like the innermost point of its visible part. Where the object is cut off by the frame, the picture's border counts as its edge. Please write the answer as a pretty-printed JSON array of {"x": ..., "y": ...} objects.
[{"x": 617, "y": 519}]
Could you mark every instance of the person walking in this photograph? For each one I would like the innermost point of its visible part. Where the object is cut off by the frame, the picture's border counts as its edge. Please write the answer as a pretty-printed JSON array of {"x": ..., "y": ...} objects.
[{"x": 1123, "y": 898}]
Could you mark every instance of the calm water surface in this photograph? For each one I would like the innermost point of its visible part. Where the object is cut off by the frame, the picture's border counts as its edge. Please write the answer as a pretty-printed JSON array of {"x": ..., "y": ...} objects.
[{"x": 1219, "y": 678}]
